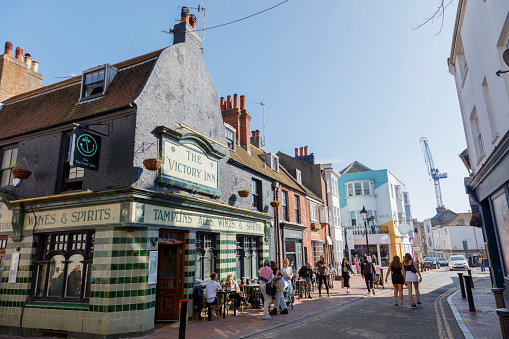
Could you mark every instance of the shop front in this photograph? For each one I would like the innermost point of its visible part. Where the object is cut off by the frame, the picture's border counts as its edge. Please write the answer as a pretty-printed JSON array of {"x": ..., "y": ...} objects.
[{"x": 294, "y": 246}]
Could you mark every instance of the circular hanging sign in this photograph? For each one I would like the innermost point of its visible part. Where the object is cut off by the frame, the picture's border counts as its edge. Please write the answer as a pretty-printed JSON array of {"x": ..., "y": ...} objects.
[{"x": 404, "y": 229}]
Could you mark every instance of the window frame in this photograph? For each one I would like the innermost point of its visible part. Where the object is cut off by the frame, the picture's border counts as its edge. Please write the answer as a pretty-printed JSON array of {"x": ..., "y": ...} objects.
[
  {"x": 256, "y": 193},
  {"x": 313, "y": 213},
  {"x": 251, "y": 245},
  {"x": 208, "y": 243},
  {"x": 66, "y": 168},
  {"x": 12, "y": 164},
  {"x": 230, "y": 142},
  {"x": 296, "y": 200},
  {"x": 284, "y": 205}
]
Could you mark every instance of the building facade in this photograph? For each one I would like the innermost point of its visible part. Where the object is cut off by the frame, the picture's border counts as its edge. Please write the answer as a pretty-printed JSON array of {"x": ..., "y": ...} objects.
[
  {"x": 479, "y": 44},
  {"x": 336, "y": 227}
]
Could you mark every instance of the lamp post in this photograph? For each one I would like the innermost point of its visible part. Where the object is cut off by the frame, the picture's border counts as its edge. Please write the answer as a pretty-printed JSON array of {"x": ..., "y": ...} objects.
[{"x": 364, "y": 215}]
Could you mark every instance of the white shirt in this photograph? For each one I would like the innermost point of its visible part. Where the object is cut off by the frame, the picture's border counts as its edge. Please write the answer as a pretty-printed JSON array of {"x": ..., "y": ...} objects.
[{"x": 211, "y": 290}]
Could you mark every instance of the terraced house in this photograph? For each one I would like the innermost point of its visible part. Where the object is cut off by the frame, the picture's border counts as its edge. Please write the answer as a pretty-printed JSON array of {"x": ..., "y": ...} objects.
[{"x": 98, "y": 242}]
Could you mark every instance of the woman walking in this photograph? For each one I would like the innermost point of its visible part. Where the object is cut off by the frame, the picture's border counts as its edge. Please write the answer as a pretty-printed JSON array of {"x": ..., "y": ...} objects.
[
  {"x": 265, "y": 275},
  {"x": 346, "y": 273},
  {"x": 287, "y": 272},
  {"x": 356, "y": 262},
  {"x": 396, "y": 271},
  {"x": 410, "y": 272}
]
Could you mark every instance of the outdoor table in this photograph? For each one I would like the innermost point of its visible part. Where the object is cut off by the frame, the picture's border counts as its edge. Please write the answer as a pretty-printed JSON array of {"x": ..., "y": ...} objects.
[
  {"x": 224, "y": 294},
  {"x": 300, "y": 283},
  {"x": 256, "y": 293}
]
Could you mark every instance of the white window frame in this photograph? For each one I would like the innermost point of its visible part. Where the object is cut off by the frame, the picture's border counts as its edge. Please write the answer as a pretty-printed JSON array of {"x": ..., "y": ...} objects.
[
  {"x": 274, "y": 163},
  {"x": 229, "y": 129},
  {"x": 6, "y": 167},
  {"x": 313, "y": 213}
]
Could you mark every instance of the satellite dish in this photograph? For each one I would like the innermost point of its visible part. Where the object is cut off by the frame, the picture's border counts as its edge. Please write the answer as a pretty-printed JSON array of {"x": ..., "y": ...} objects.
[
  {"x": 404, "y": 229},
  {"x": 505, "y": 55}
]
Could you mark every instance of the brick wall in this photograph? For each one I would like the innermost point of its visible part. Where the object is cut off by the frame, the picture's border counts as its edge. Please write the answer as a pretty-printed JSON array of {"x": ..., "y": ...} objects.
[{"x": 16, "y": 78}]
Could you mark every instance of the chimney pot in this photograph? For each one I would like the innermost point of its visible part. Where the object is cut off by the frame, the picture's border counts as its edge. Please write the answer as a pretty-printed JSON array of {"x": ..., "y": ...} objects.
[
  {"x": 221, "y": 104},
  {"x": 305, "y": 150},
  {"x": 235, "y": 101},
  {"x": 19, "y": 53},
  {"x": 301, "y": 150},
  {"x": 8, "y": 48},
  {"x": 28, "y": 60},
  {"x": 229, "y": 102},
  {"x": 242, "y": 102},
  {"x": 296, "y": 151},
  {"x": 35, "y": 66},
  {"x": 192, "y": 21},
  {"x": 184, "y": 14},
  {"x": 257, "y": 132},
  {"x": 253, "y": 134}
]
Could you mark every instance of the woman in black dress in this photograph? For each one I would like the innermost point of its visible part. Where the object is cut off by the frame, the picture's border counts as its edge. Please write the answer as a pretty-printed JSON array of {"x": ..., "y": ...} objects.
[
  {"x": 398, "y": 280},
  {"x": 346, "y": 273}
]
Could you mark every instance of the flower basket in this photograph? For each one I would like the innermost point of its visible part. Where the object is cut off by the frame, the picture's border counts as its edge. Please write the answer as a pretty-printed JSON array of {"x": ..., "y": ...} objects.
[
  {"x": 21, "y": 173},
  {"x": 244, "y": 193},
  {"x": 152, "y": 164},
  {"x": 275, "y": 203}
]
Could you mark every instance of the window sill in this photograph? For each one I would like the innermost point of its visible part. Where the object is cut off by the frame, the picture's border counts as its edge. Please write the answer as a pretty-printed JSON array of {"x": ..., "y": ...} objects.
[
  {"x": 50, "y": 305},
  {"x": 481, "y": 158}
]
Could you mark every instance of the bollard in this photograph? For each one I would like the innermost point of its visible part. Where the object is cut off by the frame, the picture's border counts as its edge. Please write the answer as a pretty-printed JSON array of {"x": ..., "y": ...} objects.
[
  {"x": 462, "y": 286},
  {"x": 183, "y": 318},
  {"x": 499, "y": 297},
  {"x": 470, "y": 297},
  {"x": 503, "y": 317},
  {"x": 470, "y": 274}
]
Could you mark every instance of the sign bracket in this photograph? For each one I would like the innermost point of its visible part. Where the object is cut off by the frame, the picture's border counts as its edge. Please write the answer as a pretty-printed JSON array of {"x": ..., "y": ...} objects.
[{"x": 86, "y": 127}]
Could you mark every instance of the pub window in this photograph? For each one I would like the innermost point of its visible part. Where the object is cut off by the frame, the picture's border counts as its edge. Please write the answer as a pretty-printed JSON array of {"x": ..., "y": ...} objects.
[
  {"x": 73, "y": 176},
  {"x": 3, "y": 248},
  {"x": 64, "y": 266},
  {"x": 248, "y": 257},
  {"x": 284, "y": 205},
  {"x": 9, "y": 156},
  {"x": 206, "y": 254},
  {"x": 256, "y": 193},
  {"x": 297, "y": 209}
]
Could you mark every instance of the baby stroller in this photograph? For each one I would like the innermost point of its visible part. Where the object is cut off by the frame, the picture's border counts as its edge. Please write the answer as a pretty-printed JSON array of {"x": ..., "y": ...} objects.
[{"x": 289, "y": 294}]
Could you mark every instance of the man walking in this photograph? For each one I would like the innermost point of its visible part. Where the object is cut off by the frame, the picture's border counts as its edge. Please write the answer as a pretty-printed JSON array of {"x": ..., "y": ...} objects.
[
  {"x": 322, "y": 269},
  {"x": 367, "y": 271}
]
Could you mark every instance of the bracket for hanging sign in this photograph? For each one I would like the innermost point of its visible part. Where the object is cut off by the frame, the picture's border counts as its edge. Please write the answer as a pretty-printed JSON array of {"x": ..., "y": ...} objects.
[{"x": 86, "y": 127}]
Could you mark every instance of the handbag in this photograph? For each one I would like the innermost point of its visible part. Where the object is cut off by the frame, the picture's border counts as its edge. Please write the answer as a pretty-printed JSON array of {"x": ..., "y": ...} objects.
[
  {"x": 413, "y": 268},
  {"x": 270, "y": 289}
]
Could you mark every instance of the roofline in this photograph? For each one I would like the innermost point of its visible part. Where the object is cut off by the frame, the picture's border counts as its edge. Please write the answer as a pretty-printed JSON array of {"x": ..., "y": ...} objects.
[{"x": 459, "y": 16}]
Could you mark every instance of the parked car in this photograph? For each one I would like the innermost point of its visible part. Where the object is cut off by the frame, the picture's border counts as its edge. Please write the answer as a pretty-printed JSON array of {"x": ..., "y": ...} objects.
[
  {"x": 457, "y": 262},
  {"x": 443, "y": 262},
  {"x": 434, "y": 262}
]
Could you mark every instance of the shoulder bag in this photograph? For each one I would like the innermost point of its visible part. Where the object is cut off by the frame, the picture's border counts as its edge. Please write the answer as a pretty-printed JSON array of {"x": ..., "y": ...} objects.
[{"x": 270, "y": 289}]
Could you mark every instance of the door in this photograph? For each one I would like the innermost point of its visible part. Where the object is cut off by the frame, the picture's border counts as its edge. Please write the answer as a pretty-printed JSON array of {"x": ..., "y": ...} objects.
[
  {"x": 298, "y": 254},
  {"x": 169, "y": 281}
]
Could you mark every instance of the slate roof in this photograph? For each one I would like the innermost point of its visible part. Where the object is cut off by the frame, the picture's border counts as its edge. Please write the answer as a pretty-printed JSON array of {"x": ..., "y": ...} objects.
[
  {"x": 59, "y": 103},
  {"x": 355, "y": 167}
]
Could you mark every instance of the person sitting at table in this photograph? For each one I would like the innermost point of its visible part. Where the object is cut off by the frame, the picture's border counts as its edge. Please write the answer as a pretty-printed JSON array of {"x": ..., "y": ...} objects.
[
  {"x": 287, "y": 272},
  {"x": 234, "y": 289},
  {"x": 306, "y": 273},
  {"x": 213, "y": 286}
]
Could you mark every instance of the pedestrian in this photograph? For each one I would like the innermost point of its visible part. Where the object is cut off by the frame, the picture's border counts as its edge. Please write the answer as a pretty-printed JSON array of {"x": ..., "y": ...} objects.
[
  {"x": 373, "y": 259},
  {"x": 280, "y": 300},
  {"x": 368, "y": 272},
  {"x": 287, "y": 272},
  {"x": 306, "y": 273},
  {"x": 332, "y": 275},
  {"x": 322, "y": 269},
  {"x": 396, "y": 271},
  {"x": 356, "y": 262},
  {"x": 481, "y": 263},
  {"x": 346, "y": 273},
  {"x": 410, "y": 273},
  {"x": 265, "y": 276}
]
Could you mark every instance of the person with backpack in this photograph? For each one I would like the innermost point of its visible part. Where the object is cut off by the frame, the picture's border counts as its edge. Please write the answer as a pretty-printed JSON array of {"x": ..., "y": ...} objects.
[{"x": 368, "y": 272}]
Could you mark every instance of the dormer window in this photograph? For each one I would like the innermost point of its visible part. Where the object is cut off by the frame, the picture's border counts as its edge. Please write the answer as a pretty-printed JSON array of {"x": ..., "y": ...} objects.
[
  {"x": 95, "y": 81},
  {"x": 230, "y": 136},
  {"x": 298, "y": 176},
  {"x": 274, "y": 163}
]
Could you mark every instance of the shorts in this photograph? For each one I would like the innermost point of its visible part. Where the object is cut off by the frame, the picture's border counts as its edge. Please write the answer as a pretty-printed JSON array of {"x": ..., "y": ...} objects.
[{"x": 411, "y": 277}]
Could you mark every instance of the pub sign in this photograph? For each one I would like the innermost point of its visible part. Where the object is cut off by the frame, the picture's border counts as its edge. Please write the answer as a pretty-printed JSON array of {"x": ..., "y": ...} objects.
[{"x": 85, "y": 150}]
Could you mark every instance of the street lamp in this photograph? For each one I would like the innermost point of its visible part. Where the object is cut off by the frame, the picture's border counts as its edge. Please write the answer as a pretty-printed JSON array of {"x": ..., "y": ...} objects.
[{"x": 364, "y": 215}]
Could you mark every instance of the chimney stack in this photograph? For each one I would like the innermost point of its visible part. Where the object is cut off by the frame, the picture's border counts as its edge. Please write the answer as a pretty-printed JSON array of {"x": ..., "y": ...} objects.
[
  {"x": 305, "y": 150},
  {"x": 253, "y": 133},
  {"x": 301, "y": 149},
  {"x": 229, "y": 102},
  {"x": 222, "y": 105},
  {"x": 257, "y": 133},
  {"x": 35, "y": 66},
  {"x": 192, "y": 21},
  {"x": 184, "y": 14},
  {"x": 242, "y": 102},
  {"x": 28, "y": 60},
  {"x": 296, "y": 151},
  {"x": 8, "y": 48},
  {"x": 235, "y": 101},
  {"x": 19, "y": 53}
]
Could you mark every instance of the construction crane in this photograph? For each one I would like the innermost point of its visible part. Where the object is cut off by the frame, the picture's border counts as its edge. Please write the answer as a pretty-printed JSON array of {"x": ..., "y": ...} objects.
[{"x": 432, "y": 170}]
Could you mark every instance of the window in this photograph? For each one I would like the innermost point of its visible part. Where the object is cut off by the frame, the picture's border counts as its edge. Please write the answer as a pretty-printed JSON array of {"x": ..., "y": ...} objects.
[
  {"x": 248, "y": 257},
  {"x": 95, "y": 81},
  {"x": 334, "y": 186},
  {"x": 392, "y": 191},
  {"x": 317, "y": 251},
  {"x": 366, "y": 188},
  {"x": 489, "y": 109},
  {"x": 274, "y": 164},
  {"x": 350, "y": 190},
  {"x": 358, "y": 188},
  {"x": 256, "y": 193},
  {"x": 64, "y": 265},
  {"x": 9, "y": 157},
  {"x": 406, "y": 198},
  {"x": 312, "y": 212},
  {"x": 337, "y": 219},
  {"x": 297, "y": 209},
  {"x": 230, "y": 136},
  {"x": 284, "y": 205},
  {"x": 72, "y": 176},
  {"x": 399, "y": 196},
  {"x": 205, "y": 260},
  {"x": 463, "y": 67},
  {"x": 3, "y": 248},
  {"x": 353, "y": 218}
]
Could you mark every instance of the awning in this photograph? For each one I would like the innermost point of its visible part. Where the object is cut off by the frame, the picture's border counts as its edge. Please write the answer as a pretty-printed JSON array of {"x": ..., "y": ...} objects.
[{"x": 329, "y": 240}]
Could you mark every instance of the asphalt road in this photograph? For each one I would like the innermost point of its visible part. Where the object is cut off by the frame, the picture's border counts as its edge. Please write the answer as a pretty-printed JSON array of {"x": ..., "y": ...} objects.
[{"x": 377, "y": 317}]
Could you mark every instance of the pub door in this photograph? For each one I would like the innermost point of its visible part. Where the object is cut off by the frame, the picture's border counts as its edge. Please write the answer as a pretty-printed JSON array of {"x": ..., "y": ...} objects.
[{"x": 170, "y": 286}]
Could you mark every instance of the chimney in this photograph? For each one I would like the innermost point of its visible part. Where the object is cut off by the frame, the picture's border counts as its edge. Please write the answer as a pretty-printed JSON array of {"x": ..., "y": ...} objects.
[
  {"x": 296, "y": 151},
  {"x": 8, "y": 48},
  {"x": 221, "y": 104},
  {"x": 235, "y": 101},
  {"x": 301, "y": 151},
  {"x": 257, "y": 133},
  {"x": 242, "y": 102},
  {"x": 19, "y": 53},
  {"x": 229, "y": 102},
  {"x": 184, "y": 14},
  {"x": 245, "y": 127},
  {"x": 305, "y": 150},
  {"x": 35, "y": 66},
  {"x": 28, "y": 60},
  {"x": 192, "y": 21},
  {"x": 256, "y": 140},
  {"x": 230, "y": 116}
]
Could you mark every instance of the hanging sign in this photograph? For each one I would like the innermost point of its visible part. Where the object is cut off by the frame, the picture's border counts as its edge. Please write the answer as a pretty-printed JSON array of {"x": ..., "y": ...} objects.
[
  {"x": 349, "y": 239},
  {"x": 85, "y": 150}
]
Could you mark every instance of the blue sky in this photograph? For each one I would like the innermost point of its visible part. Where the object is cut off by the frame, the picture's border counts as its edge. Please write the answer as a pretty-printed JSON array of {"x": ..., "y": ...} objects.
[{"x": 350, "y": 79}]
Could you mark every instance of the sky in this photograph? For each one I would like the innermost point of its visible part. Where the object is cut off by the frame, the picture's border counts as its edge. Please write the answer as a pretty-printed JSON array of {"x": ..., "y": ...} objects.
[{"x": 349, "y": 79}]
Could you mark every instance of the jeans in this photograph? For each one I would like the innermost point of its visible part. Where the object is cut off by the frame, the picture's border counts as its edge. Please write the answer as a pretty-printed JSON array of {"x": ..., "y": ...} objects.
[
  {"x": 280, "y": 299},
  {"x": 324, "y": 279},
  {"x": 289, "y": 285},
  {"x": 483, "y": 267},
  {"x": 266, "y": 298},
  {"x": 370, "y": 284}
]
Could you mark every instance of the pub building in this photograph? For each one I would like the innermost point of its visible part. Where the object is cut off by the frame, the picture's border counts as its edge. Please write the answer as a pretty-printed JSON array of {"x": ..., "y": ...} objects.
[{"x": 95, "y": 240}]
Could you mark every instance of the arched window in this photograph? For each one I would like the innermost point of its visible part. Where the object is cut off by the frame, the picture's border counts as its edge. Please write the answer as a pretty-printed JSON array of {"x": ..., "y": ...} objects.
[
  {"x": 248, "y": 257},
  {"x": 205, "y": 255},
  {"x": 64, "y": 265}
]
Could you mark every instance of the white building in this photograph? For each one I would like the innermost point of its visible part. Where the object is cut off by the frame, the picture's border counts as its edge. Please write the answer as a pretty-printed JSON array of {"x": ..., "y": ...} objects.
[
  {"x": 337, "y": 235},
  {"x": 480, "y": 38}
]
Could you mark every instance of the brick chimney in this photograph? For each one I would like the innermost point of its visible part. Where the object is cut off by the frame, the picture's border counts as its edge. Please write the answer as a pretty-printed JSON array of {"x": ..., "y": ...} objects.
[
  {"x": 256, "y": 139},
  {"x": 238, "y": 117},
  {"x": 185, "y": 30},
  {"x": 16, "y": 76}
]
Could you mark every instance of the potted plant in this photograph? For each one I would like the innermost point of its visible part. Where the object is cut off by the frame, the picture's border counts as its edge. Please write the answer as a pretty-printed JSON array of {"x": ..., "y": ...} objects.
[
  {"x": 275, "y": 203},
  {"x": 154, "y": 163},
  {"x": 21, "y": 173},
  {"x": 244, "y": 193}
]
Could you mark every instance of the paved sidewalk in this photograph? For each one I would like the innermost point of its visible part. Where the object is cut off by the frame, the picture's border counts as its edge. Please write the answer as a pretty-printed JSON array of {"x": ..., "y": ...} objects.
[
  {"x": 250, "y": 321},
  {"x": 483, "y": 323}
]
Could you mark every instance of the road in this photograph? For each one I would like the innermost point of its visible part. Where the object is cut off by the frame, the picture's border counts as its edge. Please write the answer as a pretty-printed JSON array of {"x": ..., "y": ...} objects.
[{"x": 377, "y": 317}]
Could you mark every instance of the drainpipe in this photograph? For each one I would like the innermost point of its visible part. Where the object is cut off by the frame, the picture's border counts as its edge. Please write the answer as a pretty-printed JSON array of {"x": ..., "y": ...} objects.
[
  {"x": 277, "y": 237},
  {"x": 327, "y": 202}
]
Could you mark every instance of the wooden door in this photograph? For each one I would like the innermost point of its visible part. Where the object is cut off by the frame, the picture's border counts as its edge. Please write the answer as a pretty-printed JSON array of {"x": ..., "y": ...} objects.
[{"x": 169, "y": 282}]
